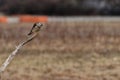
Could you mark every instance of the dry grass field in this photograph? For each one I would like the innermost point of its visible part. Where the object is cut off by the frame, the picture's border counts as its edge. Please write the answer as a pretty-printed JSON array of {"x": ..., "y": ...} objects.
[{"x": 63, "y": 51}]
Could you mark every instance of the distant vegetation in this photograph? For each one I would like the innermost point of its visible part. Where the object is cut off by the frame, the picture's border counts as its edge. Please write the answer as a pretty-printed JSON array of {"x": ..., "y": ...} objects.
[
  {"x": 63, "y": 51},
  {"x": 61, "y": 7}
]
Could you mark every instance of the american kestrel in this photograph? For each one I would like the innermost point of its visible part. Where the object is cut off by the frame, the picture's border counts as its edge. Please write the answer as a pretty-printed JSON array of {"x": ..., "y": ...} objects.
[{"x": 36, "y": 28}]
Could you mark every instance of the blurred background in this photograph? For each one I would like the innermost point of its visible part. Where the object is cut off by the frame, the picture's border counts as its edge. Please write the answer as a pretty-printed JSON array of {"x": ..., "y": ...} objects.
[
  {"x": 80, "y": 39},
  {"x": 61, "y": 7}
]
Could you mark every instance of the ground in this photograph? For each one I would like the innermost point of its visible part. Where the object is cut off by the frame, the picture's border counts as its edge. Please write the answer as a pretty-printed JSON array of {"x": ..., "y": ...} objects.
[{"x": 63, "y": 51}]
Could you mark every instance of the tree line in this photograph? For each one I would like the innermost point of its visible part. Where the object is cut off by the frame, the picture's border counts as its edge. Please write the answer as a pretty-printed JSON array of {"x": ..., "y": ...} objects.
[{"x": 60, "y": 7}]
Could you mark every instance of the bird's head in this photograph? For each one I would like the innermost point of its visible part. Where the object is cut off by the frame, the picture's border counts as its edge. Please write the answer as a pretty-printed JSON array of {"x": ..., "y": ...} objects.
[{"x": 38, "y": 24}]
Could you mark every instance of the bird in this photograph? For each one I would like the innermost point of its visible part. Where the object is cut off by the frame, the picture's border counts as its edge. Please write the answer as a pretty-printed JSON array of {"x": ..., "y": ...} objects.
[{"x": 36, "y": 28}]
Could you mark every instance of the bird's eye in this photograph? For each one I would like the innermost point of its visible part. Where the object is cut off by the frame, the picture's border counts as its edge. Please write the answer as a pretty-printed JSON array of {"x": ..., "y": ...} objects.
[{"x": 41, "y": 24}]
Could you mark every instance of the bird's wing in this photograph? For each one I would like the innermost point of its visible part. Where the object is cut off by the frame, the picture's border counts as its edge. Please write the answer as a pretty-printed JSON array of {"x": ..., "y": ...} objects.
[{"x": 32, "y": 28}]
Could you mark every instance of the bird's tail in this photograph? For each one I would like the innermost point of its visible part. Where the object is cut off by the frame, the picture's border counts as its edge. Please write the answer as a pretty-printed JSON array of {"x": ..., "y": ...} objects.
[{"x": 30, "y": 33}]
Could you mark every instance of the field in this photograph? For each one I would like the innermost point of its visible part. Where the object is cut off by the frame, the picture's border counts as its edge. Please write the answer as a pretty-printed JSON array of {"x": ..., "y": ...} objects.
[{"x": 63, "y": 51}]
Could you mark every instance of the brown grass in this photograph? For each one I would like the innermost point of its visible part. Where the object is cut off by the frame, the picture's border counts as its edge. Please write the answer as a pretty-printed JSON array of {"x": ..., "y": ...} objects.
[{"x": 63, "y": 51}]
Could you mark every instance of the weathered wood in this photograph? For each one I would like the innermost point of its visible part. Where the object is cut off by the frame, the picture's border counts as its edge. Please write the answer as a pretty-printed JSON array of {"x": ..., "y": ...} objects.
[{"x": 12, "y": 55}]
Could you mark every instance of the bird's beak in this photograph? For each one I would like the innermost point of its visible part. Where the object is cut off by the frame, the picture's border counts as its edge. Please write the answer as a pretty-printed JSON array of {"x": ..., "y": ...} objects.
[{"x": 41, "y": 24}]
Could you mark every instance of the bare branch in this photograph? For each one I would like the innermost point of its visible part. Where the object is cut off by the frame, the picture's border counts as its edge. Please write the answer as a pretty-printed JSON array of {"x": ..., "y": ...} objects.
[{"x": 12, "y": 55}]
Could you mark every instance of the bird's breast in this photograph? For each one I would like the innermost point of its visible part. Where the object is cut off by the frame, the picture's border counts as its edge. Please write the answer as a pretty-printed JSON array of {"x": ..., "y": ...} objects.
[{"x": 36, "y": 29}]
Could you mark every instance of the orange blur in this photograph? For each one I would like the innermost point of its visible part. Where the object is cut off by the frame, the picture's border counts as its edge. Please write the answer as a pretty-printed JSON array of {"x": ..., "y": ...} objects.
[
  {"x": 33, "y": 18},
  {"x": 3, "y": 19}
]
